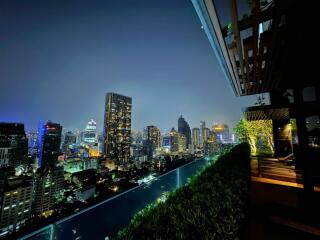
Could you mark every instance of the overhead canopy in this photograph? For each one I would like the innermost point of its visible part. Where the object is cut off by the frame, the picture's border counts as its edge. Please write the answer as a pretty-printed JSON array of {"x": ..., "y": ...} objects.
[
  {"x": 266, "y": 113},
  {"x": 257, "y": 50}
]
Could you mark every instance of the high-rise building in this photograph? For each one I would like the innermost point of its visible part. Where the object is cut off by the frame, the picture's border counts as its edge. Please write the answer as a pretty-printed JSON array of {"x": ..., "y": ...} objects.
[
  {"x": 5, "y": 155},
  {"x": 212, "y": 136},
  {"x": 166, "y": 142},
  {"x": 100, "y": 142},
  {"x": 178, "y": 141},
  {"x": 49, "y": 178},
  {"x": 222, "y": 131},
  {"x": 3, "y": 176},
  {"x": 196, "y": 137},
  {"x": 139, "y": 137},
  {"x": 32, "y": 141},
  {"x": 147, "y": 148},
  {"x": 13, "y": 136},
  {"x": 69, "y": 139},
  {"x": 145, "y": 134},
  {"x": 154, "y": 135},
  {"x": 15, "y": 204},
  {"x": 49, "y": 139},
  {"x": 117, "y": 127},
  {"x": 47, "y": 184},
  {"x": 174, "y": 141},
  {"x": 206, "y": 135},
  {"x": 90, "y": 134},
  {"x": 203, "y": 136},
  {"x": 184, "y": 128},
  {"x": 182, "y": 143},
  {"x": 77, "y": 132}
]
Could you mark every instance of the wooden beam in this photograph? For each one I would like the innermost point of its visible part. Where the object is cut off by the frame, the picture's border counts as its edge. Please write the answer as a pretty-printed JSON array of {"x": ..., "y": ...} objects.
[
  {"x": 247, "y": 46},
  {"x": 237, "y": 38},
  {"x": 264, "y": 16},
  {"x": 255, "y": 34}
]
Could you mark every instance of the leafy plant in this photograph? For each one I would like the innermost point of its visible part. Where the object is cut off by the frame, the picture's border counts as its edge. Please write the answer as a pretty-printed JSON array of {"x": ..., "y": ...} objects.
[
  {"x": 211, "y": 206},
  {"x": 252, "y": 131}
]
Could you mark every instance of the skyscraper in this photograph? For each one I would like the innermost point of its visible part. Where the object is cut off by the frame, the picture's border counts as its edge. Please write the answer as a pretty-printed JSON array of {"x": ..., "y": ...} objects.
[
  {"x": 174, "y": 140},
  {"x": 203, "y": 136},
  {"x": 15, "y": 203},
  {"x": 138, "y": 138},
  {"x": 5, "y": 153},
  {"x": 13, "y": 136},
  {"x": 182, "y": 142},
  {"x": 32, "y": 142},
  {"x": 222, "y": 131},
  {"x": 47, "y": 183},
  {"x": 77, "y": 132},
  {"x": 184, "y": 128},
  {"x": 166, "y": 142},
  {"x": 206, "y": 134},
  {"x": 196, "y": 137},
  {"x": 117, "y": 127},
  {"x": 154, "y": 135},
  {"x": 49, "y": 178},
  {"x": 49, "y": 139},
  {"x": 178, "y": 141},
  {"x": 90, "y": 134},
  {"x": 69, "y": 139}
]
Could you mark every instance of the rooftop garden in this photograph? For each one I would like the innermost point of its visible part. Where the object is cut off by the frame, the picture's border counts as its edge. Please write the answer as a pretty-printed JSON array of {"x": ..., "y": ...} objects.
[{"x": 211, "y": 206}]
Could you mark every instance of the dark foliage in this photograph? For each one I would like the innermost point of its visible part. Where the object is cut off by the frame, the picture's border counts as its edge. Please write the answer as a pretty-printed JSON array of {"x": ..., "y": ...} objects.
[{"x": 211, "y": 206}]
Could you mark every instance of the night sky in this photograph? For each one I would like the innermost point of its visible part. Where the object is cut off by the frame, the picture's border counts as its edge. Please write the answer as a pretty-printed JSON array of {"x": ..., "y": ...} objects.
[{"x": 59, "y": 58}]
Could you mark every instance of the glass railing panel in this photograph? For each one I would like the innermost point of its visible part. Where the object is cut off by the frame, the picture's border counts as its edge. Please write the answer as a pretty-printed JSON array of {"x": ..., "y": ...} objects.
[
  {"x": 45, "y": 233},
  {"x": 105, "y": 219}
]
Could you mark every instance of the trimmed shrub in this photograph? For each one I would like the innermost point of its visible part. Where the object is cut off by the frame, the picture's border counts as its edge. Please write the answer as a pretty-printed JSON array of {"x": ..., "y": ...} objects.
[{"x": 211, "y": 206}]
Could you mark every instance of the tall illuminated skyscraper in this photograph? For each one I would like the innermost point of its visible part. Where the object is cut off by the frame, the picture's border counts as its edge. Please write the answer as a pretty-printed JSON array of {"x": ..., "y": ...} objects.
[
  {"x": 222, "y": 131},
  {"x": 184, "y": 128},
  {"x": 117, "y": 127},
  {"x": 206, "y": 134},
  {"x": 203, "y": 136},
  {"x": 90, "y": 134},
  {"x": 178, "y": 141},
  {"x": 49, "y": 139},
  {"x": 154, "y": 136},
  {"x": 196, "y": 137},
  {"x": 49, "y": 178}
]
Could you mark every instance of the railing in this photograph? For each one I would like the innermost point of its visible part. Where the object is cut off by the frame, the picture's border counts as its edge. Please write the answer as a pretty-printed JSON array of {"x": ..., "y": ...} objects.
[
  {"x": 275, "y": 168},
  {"x": 104, "y": 220}
]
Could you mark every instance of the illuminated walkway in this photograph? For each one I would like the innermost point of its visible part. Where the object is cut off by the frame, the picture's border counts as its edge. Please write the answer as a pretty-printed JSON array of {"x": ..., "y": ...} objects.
[{"x": 277, "y": 182}]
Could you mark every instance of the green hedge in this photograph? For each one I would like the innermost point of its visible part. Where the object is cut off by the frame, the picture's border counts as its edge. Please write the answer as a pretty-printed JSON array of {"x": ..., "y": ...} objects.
[{"x": 211, "y": 206}]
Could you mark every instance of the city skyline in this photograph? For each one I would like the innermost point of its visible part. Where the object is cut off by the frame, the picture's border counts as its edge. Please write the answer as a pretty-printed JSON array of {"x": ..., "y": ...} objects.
[
  {"x": 100, "y": 129},
  {"x": 62, "y": 74},
  {"x": 158, "y": 119}
]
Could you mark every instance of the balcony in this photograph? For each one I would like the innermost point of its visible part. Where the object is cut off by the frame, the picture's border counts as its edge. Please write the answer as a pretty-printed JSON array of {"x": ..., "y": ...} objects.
[{"x": 213, "y": 204}]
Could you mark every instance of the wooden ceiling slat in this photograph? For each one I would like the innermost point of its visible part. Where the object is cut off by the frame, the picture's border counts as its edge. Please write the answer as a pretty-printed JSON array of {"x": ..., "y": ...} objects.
[{"x": 267, "y": 114}]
